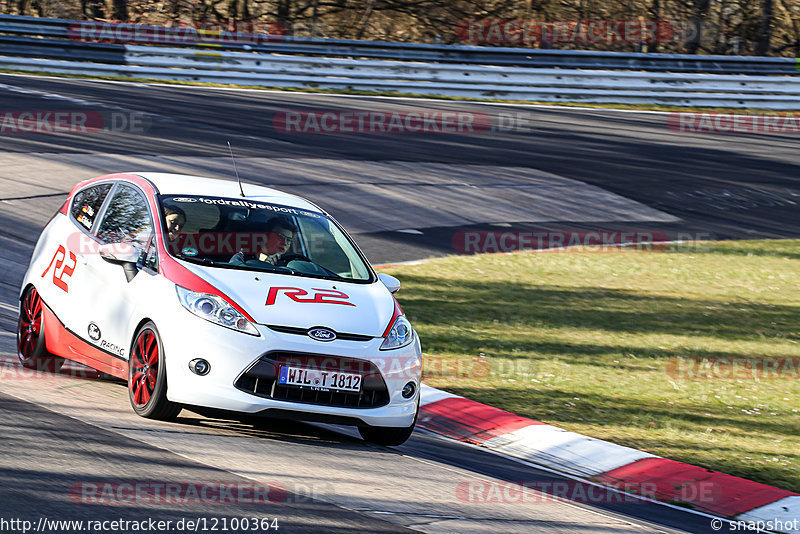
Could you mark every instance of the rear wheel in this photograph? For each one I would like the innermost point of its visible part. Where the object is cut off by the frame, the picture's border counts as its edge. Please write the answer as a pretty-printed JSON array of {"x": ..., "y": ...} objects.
[
  {"x": 147, "y": 376},
  {"x": 388, "y": 436},
  {"x": 31, "y": 346}
]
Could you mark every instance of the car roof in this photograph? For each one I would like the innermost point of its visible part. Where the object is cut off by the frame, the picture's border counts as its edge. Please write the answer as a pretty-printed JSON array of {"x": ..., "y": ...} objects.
[{"x": 185, "y": 184}]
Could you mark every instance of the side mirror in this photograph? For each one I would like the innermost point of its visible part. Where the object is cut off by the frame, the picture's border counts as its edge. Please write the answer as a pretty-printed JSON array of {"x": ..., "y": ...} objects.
[
  {"x": 391, "y": 283},
  {"x": 123, "y": 254}
]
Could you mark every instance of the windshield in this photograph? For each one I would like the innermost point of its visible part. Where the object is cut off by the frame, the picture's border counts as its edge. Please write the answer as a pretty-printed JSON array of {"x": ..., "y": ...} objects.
[{"x": 259, "y": 236}]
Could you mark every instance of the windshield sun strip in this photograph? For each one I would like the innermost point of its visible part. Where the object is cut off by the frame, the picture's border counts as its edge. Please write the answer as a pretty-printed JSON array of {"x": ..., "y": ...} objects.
[{"x": 252, "y": 204}]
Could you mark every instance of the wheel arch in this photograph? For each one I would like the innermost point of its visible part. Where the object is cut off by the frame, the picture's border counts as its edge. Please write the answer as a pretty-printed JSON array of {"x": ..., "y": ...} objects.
[
  {"x": 25, "y": 288},
  {"x": 135, "y": 331}
]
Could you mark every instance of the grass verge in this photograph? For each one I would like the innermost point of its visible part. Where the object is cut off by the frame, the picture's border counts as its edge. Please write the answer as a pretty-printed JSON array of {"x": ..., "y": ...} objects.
[{"x": 622, "y": 346}]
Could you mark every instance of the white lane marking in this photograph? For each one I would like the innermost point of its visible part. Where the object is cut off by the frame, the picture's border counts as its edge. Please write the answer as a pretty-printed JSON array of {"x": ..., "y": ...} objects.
[
  {"x": 549, "y": 445},
  {"x": 428, "y": 395},
  {"x": 8, "y": 307},
  {"x": 786, "y": 510},
  {"x": 572, "y": 452},
  {"x": 63, "y": 98},
  {"x": 73, "y": 100}
]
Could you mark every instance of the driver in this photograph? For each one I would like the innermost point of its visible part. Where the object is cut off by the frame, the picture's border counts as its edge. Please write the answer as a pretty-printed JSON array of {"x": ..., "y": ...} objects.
[
  {"x": 175, "y": 219},
  {"x": 279, "y": 233}
]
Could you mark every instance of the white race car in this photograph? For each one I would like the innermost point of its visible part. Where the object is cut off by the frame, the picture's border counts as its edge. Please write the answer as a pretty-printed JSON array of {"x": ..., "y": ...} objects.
[{"x": 200, "y": 296}]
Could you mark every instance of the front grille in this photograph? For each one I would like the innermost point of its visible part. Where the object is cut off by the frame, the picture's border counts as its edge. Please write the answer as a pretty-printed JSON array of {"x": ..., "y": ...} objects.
[
  {"x": 260, "y": 379},
  {"x": 304, "y": 332}
]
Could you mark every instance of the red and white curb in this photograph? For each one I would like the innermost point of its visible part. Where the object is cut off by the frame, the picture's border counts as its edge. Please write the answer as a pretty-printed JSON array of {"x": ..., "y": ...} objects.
[{"x": 603, "y": 462}]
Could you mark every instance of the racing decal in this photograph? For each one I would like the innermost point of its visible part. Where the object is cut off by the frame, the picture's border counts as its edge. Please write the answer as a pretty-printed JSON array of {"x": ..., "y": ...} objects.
[
  {"x": 220, "y": 201},
  {"x": 86, "y": 217},
  {"x": 63, "y": 342},
  {"x": 95, "y": 335},
  {"x": 110, "y": 347},
  {"x": 322, "y": 296},
  {"x": 62, "y": 270},
  {"x": 94, "y": 331}
]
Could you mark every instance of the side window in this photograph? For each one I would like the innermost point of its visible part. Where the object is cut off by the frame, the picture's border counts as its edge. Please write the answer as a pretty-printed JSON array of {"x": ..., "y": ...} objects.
[
  {"x": 127, "y": 219},
  {"x": 87, "y": 203}
]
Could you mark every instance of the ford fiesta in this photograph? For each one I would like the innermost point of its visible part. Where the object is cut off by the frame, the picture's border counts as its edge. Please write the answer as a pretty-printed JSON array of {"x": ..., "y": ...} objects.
[{"x": 242, "y": 299}]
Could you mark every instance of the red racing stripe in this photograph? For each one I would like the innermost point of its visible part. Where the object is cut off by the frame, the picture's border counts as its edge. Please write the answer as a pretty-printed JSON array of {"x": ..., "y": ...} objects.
[
  {"x": 470, "y": 421},
  {"x": 62, "y": 342},
  {"x": 398, "y": 311},
  {"x": 180, "y": 275},
  {"x": 706, "y": 490}
]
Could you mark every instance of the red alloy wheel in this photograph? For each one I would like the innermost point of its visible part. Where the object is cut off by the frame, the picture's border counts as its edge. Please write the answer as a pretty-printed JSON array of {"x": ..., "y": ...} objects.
[
  {"x": 30, "y": 325},
  {"x": 145, "y": 363}
]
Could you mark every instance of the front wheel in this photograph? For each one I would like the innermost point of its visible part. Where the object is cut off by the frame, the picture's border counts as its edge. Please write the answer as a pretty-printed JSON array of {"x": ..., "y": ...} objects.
[
  {"x": 31, "y": 346},
  {"x": 388, "y": 436},
  {"x": 147, "y": 376}
]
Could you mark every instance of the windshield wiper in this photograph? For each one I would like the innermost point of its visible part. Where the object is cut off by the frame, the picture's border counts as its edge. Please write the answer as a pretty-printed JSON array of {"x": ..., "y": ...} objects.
[
  {"x": 266, "y": 268},
  {"x": 202, "y": 261},
  {"x": 330, "y": 273}
]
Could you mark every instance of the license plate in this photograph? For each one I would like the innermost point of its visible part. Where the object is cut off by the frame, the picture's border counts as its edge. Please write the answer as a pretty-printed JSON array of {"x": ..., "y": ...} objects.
[{"x": 319, "y": 380}]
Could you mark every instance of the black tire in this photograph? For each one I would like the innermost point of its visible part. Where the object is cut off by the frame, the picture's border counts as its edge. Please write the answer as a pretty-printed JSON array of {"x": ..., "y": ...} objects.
[
  {"x": 388, "y": 436},
  {"x": 147, "y": 376},
  {"x": 31, "y": 345}
]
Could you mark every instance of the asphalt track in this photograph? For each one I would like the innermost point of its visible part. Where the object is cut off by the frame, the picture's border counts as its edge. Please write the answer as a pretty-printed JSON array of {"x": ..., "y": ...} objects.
[{"x": 647, "y": 177}]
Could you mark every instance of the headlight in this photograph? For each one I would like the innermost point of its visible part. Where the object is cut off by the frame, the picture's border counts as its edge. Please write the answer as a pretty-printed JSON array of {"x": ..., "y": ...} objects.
[
  {"x": 215, "y": 309},
  {"x": 400, "y": 334}
]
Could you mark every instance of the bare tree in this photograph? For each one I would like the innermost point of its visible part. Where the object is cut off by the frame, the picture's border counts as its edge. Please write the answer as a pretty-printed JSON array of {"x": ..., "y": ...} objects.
[
  {"x": 716, "y": 26},
  {"x": 93, "y": 9},
  {"x": 120, "y": 10},
  {"x": 697, "y": 22},
  {"x": 765, "y": 28},
  {"x": 365, "y": 19}
]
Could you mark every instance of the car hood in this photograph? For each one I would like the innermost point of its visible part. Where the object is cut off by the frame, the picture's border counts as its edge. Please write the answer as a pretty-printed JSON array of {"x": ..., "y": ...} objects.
[{"x": 303, "y": 302}]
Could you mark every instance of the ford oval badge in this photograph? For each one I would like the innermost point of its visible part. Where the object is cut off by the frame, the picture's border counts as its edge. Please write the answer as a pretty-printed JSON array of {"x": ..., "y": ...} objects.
[{"x": 322, "y": 334}]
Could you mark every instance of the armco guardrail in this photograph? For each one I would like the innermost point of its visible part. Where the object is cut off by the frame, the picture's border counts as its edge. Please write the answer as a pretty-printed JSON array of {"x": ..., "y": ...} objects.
[
  {"x": 472, "y": 81},
  {"x": 430, "y": 78},
  {"x": 480, "y": 55}
]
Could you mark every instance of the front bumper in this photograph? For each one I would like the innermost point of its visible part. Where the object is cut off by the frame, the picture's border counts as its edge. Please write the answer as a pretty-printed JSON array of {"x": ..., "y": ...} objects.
[{"x": 230, "y": 354}]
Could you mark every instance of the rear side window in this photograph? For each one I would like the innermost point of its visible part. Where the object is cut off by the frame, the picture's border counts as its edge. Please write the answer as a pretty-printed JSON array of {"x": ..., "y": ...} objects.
[
  {"x": 127, "y": 219},
  {"x": 87, "y": 203}
]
